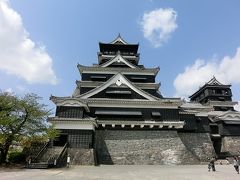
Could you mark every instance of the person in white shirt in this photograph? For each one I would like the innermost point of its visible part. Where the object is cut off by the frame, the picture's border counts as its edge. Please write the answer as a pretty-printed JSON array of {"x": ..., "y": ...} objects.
[{"x": 68, "y": 160}]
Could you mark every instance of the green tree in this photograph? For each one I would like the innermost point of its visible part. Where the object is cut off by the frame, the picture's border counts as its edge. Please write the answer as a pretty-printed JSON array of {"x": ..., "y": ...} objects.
[{"x": 21, "y": 117}]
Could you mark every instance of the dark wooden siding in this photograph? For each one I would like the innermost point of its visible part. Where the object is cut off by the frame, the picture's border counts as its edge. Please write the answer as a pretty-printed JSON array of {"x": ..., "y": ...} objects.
[
  {"x": 203, "y": 124},
  {"x": 229, "y": 129},
  {"x": 79, "y": 138},
  {"x": 133, "y": 94},
  {"x": 190, "y": 122},
  {"x": 85, "y": 89},
  {"x": 153, "y": 92},
  {"x": 148, "y": 78},
  {"x": 166, "y": 114},
  {"x": 87, "y": 76},
  {"x": 197, "y": 124},
  {"x": 69, "y": 112}
]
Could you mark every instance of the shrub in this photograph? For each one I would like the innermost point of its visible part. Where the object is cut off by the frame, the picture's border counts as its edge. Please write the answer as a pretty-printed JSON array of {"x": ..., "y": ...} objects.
[{"x": 16, "y": 157}]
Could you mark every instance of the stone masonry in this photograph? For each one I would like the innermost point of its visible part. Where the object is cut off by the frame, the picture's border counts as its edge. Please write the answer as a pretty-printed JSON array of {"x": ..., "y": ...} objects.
[
  {"x": 231, "y": 144},
  {"x": 199, "y": 144},
  {"x": 151, "y": 147},
  {"x": 80, "y": 156}
]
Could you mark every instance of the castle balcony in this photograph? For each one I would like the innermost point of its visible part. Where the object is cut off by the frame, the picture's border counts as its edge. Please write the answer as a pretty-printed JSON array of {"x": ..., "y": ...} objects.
[{"x": 112, "y": 54}]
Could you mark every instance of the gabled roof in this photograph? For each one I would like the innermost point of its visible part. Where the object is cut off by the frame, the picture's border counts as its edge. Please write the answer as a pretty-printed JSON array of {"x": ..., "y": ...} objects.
[
  {"x": 118, "y": 58},
  {"x": 214, "y": 81},
  {"x": 118, "y": 79},
  {"x": 118, "y": 40},
  {"x": 69, "y": 101}
]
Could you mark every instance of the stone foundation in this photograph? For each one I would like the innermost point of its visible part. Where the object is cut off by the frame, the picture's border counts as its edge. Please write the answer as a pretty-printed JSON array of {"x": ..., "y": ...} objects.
[
  {"x": 151, "y": 147},
  {"x": 81, "y": 156},
  {"x": 231, "y": 144},
  {"x": 199, "y": 144}
]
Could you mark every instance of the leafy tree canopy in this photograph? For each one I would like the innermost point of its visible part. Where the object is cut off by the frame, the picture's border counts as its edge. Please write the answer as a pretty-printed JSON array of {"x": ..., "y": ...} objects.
[{"x": 22, "y": 118}]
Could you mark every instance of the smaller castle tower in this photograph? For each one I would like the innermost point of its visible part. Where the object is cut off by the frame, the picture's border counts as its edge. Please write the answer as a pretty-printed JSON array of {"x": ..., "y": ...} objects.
[{"x": 215, "y": 94}]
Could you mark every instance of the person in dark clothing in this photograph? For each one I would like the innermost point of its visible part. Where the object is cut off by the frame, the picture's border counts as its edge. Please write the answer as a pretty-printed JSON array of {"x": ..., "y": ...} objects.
[
  {"x": 211, "y": 164},
  {"x": 236, "y": 164},
  {"x": 209, "y": 167}
]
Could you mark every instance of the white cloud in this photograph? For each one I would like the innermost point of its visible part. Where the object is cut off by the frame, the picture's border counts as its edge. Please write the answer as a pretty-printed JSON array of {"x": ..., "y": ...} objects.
[
  {"x": 19, "y": 55},
  {"x": 237, "y": 107},
  {"x": 226, "y": 70},
  {"x": 158, "y": 25}
]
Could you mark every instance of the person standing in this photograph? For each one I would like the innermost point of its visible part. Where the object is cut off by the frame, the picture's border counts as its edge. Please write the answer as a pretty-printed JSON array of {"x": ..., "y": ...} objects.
[
  {"x": 212, "y": 164},
  {"x": 28, "y": 160},
  {"x": 68, "y": 160},
  {"x": 236, "y": 164}
]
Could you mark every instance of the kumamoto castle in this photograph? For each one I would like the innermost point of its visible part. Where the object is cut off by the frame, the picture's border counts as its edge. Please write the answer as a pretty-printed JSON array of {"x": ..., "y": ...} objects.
[{"x": 117, "y": 115}]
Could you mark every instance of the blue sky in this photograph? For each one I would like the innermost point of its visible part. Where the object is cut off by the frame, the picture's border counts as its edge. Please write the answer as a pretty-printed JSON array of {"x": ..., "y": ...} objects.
[{"x": 42, "y": 41}]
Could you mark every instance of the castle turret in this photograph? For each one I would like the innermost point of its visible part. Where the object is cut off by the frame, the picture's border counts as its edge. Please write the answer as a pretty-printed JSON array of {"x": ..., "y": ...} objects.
[{"x": 216, "y": 94}]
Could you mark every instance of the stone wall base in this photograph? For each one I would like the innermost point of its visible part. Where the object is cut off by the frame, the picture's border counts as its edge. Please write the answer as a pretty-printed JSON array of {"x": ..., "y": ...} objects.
[
  {"x": 80, "y": 156},
  {"x": 199, "y": 144},
  {"x": 231, "y": 144},
  {"x": 141, "y": 147}
]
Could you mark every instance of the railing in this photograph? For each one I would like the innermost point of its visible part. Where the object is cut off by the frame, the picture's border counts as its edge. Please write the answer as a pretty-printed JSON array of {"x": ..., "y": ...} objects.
[
  {"x": 60, "y": 160},
  {"x": 55, "y": 160},
  {"x": 44, "y": 148}
]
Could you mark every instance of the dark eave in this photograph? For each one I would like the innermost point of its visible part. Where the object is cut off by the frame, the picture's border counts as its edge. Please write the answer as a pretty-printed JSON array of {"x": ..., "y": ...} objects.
[
  {"x": 114, "y": 70},
  {"x": 118, "y": 47}
]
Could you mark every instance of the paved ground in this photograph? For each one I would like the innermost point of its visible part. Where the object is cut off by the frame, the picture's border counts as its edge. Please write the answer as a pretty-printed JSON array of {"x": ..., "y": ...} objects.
[{"x": 151, "y": 172}]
